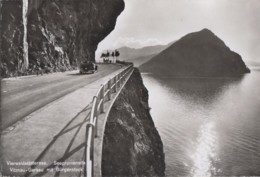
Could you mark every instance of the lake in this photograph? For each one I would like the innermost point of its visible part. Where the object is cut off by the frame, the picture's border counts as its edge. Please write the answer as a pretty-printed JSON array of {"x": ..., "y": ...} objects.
[{"x": 209, "y": 126}]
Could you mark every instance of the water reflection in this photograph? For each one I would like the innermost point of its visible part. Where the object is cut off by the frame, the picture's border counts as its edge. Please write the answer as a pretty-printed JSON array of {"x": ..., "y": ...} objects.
[
  {"x": 198, "y": 90},
  {"x": 209, "y": 126},
  {"x": 205, "y": 152}
]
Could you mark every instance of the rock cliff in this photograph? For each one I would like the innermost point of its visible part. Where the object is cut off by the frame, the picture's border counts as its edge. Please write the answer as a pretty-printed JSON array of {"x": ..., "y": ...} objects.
[
  {"x": 132, "y": 145},
  {"x": 200, "y": 53},
  {"x": 61, "y": 33}
]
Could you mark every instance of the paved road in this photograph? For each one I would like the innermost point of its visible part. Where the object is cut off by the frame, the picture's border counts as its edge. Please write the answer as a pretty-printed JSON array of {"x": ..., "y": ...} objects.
[{"x": 20, "y": 97}]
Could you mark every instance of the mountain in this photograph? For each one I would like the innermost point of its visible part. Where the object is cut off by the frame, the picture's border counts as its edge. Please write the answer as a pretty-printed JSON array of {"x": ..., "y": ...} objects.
[
  {"x": 141, "y": 55},
  {"x": 200, "y": 53},
  {"x": 127, "y": 53},
  {"x": 141, "y": 60}
]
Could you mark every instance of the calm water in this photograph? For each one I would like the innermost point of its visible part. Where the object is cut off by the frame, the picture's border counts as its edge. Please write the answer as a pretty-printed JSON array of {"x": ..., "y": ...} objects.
[{"x": 208, "y": 126}]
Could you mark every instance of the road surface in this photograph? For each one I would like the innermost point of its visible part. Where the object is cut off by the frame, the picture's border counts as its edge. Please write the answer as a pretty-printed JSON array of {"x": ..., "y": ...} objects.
[{"x": 22, "y": 96}]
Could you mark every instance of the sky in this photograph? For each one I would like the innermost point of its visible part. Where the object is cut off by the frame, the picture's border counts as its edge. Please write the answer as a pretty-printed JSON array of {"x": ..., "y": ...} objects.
[{"x": 153, "y": 22}]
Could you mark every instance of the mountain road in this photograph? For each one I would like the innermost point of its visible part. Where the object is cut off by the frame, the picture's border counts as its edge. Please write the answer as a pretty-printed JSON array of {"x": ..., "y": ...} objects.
[{"x": 22, "y": 96}]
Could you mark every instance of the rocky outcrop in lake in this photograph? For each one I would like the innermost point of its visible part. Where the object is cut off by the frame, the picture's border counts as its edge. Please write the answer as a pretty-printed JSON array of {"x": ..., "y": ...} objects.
[
  {"x": 61, "y": 33},
  {"x": 132, "y": 145},
  {"x": 200, "y": 54}
]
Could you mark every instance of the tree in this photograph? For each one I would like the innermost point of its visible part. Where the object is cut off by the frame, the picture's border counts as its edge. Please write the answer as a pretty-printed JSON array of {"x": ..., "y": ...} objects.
[{"x": 117, "y": 54}]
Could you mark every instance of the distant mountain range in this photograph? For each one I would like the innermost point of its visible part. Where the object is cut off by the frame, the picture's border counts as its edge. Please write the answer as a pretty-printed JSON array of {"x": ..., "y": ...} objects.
[
  {"x": 200, "y": 53},
  {"x": 253, "y": 63},
  {"x": 142, "y": 59},
  {"x": 141, "y": 55}
]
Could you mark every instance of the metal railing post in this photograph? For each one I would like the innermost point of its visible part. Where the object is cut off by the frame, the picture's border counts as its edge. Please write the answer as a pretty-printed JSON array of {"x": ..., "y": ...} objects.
[
  {"x": 95, "y": 127},
  {"x": 93, "y": 109},
  {"x": 109, "y": 89},
  {"x": 119, "y": 80},
  {"x": 115, "y": 85},
  {"x": 89, "y": 150},
  {"x": 102, "y": 98}
]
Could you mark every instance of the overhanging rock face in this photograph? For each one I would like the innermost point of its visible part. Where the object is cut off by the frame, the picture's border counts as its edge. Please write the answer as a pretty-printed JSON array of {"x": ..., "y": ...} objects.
[{"x": 61, "y": 33}]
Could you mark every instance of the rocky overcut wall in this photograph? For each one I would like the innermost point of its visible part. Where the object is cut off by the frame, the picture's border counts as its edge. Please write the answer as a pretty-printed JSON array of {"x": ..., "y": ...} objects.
[
  {"x": 11, "y": 36},
  {"x": 61, "y": 33},
  {"x": 132, "y": 145}
]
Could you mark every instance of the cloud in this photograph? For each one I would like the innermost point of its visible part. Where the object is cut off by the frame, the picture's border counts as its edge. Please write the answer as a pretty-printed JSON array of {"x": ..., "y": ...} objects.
[
  {"x": 153, "y": 22},
  {"x": 135, "y": 43}
]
